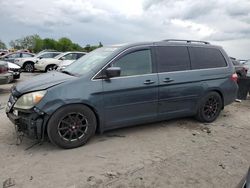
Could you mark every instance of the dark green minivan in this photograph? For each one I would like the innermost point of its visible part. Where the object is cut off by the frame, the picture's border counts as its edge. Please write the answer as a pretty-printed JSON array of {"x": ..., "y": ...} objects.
[{"x": 124, "y": 85}]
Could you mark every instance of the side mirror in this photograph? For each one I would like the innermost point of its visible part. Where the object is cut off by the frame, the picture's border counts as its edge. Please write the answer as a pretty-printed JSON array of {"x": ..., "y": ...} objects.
[
  {"x": 40, "y": 57},
  {"x": 62, "y": 58},
  {"x": 113, "y": 72}
]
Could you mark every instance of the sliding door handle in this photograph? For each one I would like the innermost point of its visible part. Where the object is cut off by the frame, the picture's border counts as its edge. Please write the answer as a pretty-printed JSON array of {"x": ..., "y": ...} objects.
[
  {"x": 166, "y": 80},
  {"x": 147, "y": 82}
]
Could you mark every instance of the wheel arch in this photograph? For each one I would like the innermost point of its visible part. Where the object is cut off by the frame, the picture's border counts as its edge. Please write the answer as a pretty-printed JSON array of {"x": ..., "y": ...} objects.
[
  {"x": 98, "y": 127},
  {"x": 220, "y": 93},
  {"x": 49, "y": 66},
  {"x": 26, "y": 62}
]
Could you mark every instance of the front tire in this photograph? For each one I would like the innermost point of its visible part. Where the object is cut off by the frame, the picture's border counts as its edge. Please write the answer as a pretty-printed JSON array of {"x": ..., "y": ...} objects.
[
  {"x": 29, "y": 67},
  {"x": 71, "y": 126},
  {"x": 210, "y": 107},
  {"x": 50, "y": 68}
]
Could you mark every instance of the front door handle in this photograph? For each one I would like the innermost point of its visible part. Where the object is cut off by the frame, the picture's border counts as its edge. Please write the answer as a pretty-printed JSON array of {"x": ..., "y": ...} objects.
[
  {"x": 166, "y": 80},
  {"x": 147, "y": 82}
]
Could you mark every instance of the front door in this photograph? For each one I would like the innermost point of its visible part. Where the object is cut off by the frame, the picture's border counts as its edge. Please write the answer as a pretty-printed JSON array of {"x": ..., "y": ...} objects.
[{"x": 132, "y": 97}]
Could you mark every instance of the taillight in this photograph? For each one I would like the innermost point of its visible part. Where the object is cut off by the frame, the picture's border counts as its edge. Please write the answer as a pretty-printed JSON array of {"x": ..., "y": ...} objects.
[
  {"x": 3, "y": 69},
  {"x": 234, "y": 77}
]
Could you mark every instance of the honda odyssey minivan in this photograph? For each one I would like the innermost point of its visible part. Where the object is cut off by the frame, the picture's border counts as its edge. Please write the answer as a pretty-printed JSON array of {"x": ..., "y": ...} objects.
[{"x": 124, "y": 85}]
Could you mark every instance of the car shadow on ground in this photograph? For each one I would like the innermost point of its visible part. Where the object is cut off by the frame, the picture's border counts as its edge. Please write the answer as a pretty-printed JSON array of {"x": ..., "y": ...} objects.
[{"x": 121, "y": 133}]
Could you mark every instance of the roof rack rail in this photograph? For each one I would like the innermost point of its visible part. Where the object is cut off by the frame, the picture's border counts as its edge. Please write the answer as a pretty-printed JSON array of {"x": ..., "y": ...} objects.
[{"x": 187, "y": 41}]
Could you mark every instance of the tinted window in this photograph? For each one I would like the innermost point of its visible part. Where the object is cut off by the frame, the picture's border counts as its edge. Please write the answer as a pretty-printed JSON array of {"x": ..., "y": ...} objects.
[
  {"x": 27, "y": 55},
  {"x": 80, "y": 55},
  {"x": 135, "y": 63},
  {"x": 172, "y": 58},
  {"x": 54, "y": 54},
  {"x": 15, "y": 55},
  {"x": 71, "y": 56},
  {"x": 202, "y": 58},
  {"x": 48, "y": 55}
]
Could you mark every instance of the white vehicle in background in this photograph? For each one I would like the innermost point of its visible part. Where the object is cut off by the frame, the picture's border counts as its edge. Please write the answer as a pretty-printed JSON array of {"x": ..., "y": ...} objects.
[
  {"x": 63, "y": 64},
  {"x": 50, "y": 64},
  {"x": 14, "y": 69},
  {"x": 27, "y": 64}
]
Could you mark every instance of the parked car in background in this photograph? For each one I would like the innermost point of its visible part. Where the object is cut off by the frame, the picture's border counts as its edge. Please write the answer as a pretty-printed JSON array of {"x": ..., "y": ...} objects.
[
  {"x": 14, "y": 55},
  {"x": 3, "y": 52},
  {"x": 50, "y": 64},
  {"x": 14, "y": 69},
  {"x": 124, "y": 85},
  {"x": 27, "y": 64},
  {"x": 240, "y": 69},
  {"x": 64, "y": 63},
  {"x": 5, "y": 76}
]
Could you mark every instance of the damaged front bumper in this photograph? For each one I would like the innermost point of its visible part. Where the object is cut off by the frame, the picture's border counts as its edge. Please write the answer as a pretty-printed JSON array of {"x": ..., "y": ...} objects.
[{"x": 30, "y": 122}]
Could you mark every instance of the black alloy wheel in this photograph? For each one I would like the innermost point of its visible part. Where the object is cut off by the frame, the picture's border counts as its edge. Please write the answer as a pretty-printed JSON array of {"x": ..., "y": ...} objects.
[
  {"x": 71, "y": 126},
  {"x": 210, "y": 107}
]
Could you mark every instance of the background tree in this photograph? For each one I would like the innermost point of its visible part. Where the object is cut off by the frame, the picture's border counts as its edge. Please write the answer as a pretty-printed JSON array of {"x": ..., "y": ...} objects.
[
  {"x": 49, "y": 44},
  {"x": 36, "y": 44},
  {"x": 2, "y": 45}
]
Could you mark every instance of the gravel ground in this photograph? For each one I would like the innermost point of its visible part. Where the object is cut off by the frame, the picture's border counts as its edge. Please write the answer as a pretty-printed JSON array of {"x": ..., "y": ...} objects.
[{"x": 176, "y": 153}]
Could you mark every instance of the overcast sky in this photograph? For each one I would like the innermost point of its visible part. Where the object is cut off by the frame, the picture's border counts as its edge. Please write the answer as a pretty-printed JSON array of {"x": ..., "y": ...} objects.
[{"x": 224, "y": 22}]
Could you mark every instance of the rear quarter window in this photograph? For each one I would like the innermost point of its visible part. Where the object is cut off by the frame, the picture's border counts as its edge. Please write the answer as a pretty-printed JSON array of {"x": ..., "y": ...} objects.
[{"x": 203, "y": 58}]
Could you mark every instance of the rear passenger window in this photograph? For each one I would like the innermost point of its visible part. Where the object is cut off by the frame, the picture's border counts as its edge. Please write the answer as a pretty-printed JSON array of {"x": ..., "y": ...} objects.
[
  {"x": 203, "y": 58},
  {"x": 172, "y": 58}
]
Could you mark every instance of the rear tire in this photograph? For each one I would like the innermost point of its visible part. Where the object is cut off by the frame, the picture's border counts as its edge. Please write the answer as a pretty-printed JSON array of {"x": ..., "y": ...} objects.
[
  {"x": 210, "y": 107},
  {"x": 71, "y": 126}
]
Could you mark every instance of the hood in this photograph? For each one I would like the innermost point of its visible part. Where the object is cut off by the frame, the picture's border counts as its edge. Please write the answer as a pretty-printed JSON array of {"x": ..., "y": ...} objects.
[
  {"x": 42, "y": 82},
  {"x": 49, "y": 60}
]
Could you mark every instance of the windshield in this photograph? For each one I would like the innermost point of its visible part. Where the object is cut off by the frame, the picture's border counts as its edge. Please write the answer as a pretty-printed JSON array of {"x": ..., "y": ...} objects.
[
  {"x": 89, "y": 61},
  {"x": 60, "y": 55}
]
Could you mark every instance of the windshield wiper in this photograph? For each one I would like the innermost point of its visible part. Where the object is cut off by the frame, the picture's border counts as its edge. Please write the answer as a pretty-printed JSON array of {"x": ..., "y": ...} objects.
[{"x": 67, "y": 72}]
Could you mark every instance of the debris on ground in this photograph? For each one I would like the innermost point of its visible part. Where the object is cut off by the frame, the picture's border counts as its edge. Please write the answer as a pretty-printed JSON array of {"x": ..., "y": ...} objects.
[
  {"x": 9, "y": 183},
  {"x": 206, "y": 130},
  {"x": 90, "y": 178},
  {"x": 222, "y": 166},
  {"x": 234, "y": 147},
  {"x": 196, "y": 133},
  {"x": 112, "y": 175}
]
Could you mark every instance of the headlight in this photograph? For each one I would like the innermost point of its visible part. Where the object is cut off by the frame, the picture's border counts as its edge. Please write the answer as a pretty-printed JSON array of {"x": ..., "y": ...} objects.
[{"x": 29, "y": 100}]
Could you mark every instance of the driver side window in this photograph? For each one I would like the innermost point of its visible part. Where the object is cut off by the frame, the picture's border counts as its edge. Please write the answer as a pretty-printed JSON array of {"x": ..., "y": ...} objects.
[{"x": 135, "y": 63}]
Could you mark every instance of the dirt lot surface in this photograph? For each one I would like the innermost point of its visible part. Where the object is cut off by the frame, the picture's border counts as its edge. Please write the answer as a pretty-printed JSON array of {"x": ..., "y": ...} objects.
[{"x": 177, "y": 153}]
